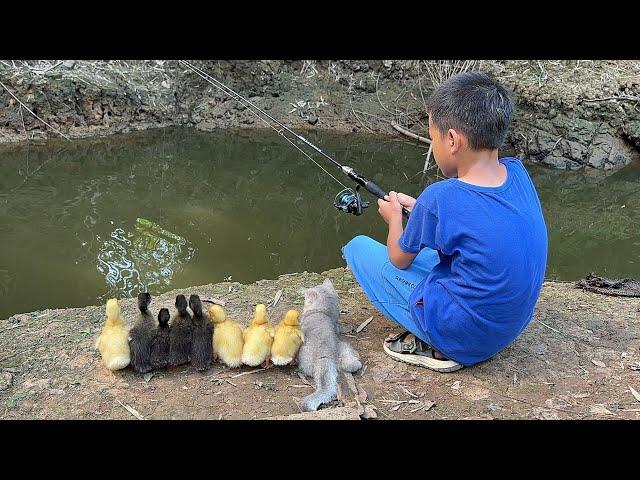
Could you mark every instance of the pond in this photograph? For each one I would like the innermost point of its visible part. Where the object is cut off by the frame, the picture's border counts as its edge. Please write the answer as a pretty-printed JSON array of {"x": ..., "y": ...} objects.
[{"x": 86, "y": 220}]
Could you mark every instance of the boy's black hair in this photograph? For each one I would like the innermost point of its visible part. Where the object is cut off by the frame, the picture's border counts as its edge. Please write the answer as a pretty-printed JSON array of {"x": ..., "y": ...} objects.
[{"x": 474, "y": 104}]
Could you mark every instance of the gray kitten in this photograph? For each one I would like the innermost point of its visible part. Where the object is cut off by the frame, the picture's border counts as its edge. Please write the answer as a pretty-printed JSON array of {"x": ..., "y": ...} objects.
[{"x": 323, "y": 355}]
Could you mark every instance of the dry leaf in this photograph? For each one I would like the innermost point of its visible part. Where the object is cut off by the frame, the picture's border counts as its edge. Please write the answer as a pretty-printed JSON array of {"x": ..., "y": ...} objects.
[
  {"x": 456, "y": 385},
  {"x": 600, "y": 410},
  {"x": 362, "y": 394},
  {"x": 132, "y": 411},
  {"x": 351, "y": 383},
  {"x": 304, "y": 379},
  {"x": 364, "y": 324},
  {"x": 598, "y": 363},
  {"x": 396, "y": 407},
  {"x": 581, "y": 395},
  {"x": 428, "y": 405},
  {"x": 369, "y": 412},
  {"x": 405, "y": 390},
  {"x": 339, "y": 393},
  {"x": 276, "y": 299},
  {"x": 634, "y": 393},
  {"x": 247, "y": 373}
]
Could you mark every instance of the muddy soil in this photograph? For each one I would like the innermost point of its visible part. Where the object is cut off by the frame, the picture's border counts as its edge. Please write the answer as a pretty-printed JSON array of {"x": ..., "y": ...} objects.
[
  {"x": 569, "y": 115},
  {"x": 576, "y": 360}
]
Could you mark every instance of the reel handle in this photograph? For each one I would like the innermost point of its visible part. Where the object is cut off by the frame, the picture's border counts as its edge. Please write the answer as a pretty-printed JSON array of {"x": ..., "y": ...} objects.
[{"x": 373, "y": 188}]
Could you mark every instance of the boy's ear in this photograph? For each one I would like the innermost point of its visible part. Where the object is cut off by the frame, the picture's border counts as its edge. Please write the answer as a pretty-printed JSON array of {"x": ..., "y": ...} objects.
[{"x": 454, "y": 141}]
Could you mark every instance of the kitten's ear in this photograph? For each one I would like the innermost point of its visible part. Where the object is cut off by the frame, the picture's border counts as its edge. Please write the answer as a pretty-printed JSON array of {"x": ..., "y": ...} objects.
[{"x": 328, "y": 284}]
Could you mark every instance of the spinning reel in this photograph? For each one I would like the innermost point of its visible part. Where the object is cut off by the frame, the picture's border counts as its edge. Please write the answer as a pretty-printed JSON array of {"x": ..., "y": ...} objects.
[{"x": 348, "y": 201}]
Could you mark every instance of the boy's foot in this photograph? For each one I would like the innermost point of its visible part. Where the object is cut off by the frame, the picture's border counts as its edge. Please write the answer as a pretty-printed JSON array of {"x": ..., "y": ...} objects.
[{"x": 406, "y": 347}]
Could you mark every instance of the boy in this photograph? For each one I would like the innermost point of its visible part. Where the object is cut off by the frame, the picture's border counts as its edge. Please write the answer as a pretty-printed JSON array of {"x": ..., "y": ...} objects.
[{"x": 464, "y": 276}]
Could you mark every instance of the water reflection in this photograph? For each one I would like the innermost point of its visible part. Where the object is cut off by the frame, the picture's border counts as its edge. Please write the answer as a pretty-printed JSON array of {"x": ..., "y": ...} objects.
[{"x": 144, "y": 259}]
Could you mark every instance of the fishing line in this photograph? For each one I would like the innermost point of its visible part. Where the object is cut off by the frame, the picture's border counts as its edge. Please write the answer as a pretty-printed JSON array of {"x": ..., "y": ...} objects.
[
  {"x": 347, "y": 200},
  {"x": 238, "y": 97}
]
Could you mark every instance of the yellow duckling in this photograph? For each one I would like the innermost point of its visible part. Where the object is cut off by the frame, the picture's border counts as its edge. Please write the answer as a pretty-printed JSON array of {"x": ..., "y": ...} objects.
[
  {"x": 287, "y": 340},
  {"x": 113, "y": 342},
  {"x": 258, "y": 338},
  {"x": 227, "y": 337}
]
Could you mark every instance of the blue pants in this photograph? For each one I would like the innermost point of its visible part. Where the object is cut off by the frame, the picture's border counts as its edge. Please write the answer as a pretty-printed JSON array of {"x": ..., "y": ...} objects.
[{"x": 386, "y": 286}]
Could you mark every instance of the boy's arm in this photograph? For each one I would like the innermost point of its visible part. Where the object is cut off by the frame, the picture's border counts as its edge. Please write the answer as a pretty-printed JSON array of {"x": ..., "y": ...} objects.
[
  {"x": 398, "y": 257},
  {"x": 391, "y": 211}
]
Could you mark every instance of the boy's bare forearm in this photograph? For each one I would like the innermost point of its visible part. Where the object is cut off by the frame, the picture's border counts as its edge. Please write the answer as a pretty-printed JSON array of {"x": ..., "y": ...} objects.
[{"x": 398, "y": 257}]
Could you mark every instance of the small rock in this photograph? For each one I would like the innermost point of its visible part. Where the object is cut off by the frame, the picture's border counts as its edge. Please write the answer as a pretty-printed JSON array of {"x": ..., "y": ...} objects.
[
  {"x": 540, "y": 349},
  {"x": 6, "y": 380},
  {"x": 313, "y": 119},
  {"x": 456, "y": 385},
  {"x": 69, "y": 64},
  {"x": 544, "y": 414}
]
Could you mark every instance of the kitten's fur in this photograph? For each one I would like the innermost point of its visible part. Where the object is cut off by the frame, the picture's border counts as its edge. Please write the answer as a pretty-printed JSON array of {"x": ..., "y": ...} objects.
[
  {"x": 141, "y": 336},
  {"x": 323, "y": 355}
]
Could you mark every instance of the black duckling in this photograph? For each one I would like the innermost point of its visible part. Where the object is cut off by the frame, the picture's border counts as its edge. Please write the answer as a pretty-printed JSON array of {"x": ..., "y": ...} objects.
[
  {"x": 160, "y": 342},
  {"x": 180, "y": 334},
  {"x": 141, "y": 336},
  {"x": 202, "y": 343}
]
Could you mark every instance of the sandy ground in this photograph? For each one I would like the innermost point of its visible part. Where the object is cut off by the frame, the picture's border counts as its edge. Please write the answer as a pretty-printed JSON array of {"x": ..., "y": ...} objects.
[{"x": 576, "y": 360}]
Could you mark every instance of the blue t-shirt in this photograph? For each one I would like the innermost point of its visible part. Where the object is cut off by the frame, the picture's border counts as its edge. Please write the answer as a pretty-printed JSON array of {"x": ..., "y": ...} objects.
[{"x": 492, "y": 243}]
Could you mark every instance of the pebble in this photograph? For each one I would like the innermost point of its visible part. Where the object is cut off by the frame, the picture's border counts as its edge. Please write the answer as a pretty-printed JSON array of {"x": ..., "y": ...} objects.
[
  {"x": 313, "y": 119},
  {"x": 6, "y": 380}
]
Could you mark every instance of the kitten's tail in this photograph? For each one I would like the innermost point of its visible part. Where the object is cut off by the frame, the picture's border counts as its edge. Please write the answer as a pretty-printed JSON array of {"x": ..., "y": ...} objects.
[{"x": 326, "y": 378}]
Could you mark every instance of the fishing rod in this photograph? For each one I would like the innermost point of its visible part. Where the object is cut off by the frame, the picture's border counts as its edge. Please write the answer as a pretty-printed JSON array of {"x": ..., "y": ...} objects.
[{"x": 347, "y": 200}]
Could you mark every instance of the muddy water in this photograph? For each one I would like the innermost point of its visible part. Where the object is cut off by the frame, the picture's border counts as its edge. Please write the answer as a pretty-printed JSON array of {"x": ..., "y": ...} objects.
[{"x": 86, "y": 220}]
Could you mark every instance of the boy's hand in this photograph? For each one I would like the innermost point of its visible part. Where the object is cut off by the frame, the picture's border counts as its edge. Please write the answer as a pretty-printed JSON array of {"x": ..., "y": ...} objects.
[
  {"x": 390, "y": 208},
  {"x": 406, "y": 201}
]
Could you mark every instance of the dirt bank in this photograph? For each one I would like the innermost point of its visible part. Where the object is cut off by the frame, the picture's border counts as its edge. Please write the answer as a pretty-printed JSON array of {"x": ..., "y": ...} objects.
[
  {"x": 575, "y": 360},
  {"x": 570, "y": 114}
]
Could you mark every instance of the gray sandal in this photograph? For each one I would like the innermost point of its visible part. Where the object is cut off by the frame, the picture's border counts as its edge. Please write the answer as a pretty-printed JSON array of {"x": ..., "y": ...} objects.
[{"x": 417, "y": 353}]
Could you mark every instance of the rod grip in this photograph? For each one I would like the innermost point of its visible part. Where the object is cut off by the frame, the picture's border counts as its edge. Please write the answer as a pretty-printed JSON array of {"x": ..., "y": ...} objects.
[{"x": 373, "y": 188}]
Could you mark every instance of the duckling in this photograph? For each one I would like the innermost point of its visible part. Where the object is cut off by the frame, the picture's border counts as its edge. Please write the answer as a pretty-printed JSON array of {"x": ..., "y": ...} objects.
[
  {"x": 258, "y": 338},
  {"x": 202, "y": 340},
  {"x": 287, "y": 340},
  {"x": 141, "y": 335},
  {"x": 180, "y": 334},
  {"x": 113, "y": 341},
  {"x": 160, "y": 342},
  {"x": 227, "y": 337}
]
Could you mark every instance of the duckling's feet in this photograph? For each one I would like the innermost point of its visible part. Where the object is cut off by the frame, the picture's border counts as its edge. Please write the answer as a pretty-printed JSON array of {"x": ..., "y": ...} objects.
[
  {"x": 294, "y": 361},
  {"x": 214, "y": 357},
  {"x": 267, "y": 363}
]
